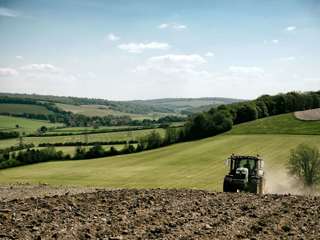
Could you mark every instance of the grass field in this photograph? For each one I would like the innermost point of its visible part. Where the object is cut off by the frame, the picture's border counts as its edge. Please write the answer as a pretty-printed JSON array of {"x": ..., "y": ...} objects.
[
  {"x": 198, "y": 164},
  {"x": 99, "y": 110},
  {"x": 23, "y": 108},
  {"x": 71, "y": 149},
  {"x": 280, "y": 124},
  {"x": 112, "y": 136},
  {"x": 8, "y": 123}
]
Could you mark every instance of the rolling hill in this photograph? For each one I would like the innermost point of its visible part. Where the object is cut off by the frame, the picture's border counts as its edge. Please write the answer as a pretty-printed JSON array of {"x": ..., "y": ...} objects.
[
  {"x": 137, "y": 109},
  {"x": 196, "y": 164}
]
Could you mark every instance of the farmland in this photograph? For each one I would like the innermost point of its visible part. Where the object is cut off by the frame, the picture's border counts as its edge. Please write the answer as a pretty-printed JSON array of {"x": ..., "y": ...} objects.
[
  {"x": 194, "y": 164},
  {"x": 101, "y": 110},
  {"x": 198, "y": 164},
  {"x": 23, "y": 108},
  {"x": 280, "y": 124},
  {"x": 112, "y": 136},
  {"x": 8, "y": 123}
]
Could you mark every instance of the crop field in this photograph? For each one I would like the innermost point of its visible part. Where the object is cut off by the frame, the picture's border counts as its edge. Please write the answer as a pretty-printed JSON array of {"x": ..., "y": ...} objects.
[
  {"x": 308, "y": 115},
  {"x": 198, "y": 164},
  {"x": 112, "y": 136},
  {"x": 23, "y": 108},
  {"x": 8, "y": 123},
  {"x": 280, "y": 124}
]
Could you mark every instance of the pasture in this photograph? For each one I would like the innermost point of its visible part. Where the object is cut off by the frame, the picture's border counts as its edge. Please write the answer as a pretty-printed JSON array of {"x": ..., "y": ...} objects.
[
  {"x": 8, "y": 123},
  {"x": 198, "y": 164},
  {"x": 112, "y": 136},
  {"x": 280, "y": 124},
  {"x": 23, "y": 108},
  {"x": 101, "y": 110}
]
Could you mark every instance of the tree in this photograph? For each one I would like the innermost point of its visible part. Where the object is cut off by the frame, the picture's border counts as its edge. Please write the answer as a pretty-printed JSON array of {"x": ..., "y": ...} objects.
[{"x": 304, "y": 163}]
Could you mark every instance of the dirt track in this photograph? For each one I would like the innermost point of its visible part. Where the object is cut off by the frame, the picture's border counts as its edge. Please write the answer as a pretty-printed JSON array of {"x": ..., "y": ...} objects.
[{"x": 160, "y": 214}]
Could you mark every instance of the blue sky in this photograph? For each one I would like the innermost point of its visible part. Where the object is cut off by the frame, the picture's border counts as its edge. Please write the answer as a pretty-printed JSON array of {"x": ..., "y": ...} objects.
[{"x": 126, "y": 49}]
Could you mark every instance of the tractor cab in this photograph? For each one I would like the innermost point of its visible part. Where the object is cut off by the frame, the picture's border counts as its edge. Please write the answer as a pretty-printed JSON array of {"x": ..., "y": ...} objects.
[{"x": 245, "y": 174}]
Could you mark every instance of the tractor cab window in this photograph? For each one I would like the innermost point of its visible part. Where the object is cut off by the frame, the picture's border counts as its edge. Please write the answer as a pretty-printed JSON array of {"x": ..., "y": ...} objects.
[{"x": 245, "y": 163}]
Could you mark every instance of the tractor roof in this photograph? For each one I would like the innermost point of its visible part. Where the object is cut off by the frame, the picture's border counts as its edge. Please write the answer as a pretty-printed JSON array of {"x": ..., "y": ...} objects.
[{"x": 240, "y": 157}]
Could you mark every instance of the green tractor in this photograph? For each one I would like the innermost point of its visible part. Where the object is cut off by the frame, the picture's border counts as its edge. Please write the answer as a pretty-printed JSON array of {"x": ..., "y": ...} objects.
[{"x": 246, "y": 174}]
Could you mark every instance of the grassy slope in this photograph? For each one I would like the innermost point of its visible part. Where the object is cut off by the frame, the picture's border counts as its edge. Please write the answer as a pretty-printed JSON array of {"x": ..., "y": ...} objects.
[
  {"x": 23, "y": 108},
  {"x": 26, "y": 125},
  {"x": 96, "y": 110},
  {"x": 281, "y": 124},
  {"x": 112, "y": 136},
  {"x": 198, "y": 164}
]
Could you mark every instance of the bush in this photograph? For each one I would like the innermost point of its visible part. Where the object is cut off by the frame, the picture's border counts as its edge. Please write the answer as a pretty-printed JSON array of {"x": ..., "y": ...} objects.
[{"x": 304, "y": 163}]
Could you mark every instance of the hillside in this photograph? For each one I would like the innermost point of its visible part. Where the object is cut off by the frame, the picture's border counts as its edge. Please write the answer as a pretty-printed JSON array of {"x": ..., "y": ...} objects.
[
  {"x": 280, "y": 124},
  {"x": 137, "y": 108},
  {"x": 23, "y": 108},
  {"x": 102, "y": 110},
  {"x": 188, "y": 104},
  {"x": 198, "y": 164},
  {"x": 8, "y": 123}
]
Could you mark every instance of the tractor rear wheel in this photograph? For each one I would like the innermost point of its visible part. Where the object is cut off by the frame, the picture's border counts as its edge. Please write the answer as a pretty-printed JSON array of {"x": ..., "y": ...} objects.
[{"x": 227, "y": 185}]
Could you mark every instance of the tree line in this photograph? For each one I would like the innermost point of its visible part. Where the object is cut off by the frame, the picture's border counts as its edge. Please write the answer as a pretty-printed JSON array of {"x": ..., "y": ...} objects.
[{"x": 223, "y": 117}]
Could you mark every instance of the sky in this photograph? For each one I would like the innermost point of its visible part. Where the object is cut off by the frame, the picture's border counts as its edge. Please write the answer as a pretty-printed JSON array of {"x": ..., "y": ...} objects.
[{"x": 147, "y": 49}]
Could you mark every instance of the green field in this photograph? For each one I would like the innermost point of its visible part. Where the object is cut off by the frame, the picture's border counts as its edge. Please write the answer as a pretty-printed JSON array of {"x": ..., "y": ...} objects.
[
  {"x": 198, "y": 164},
  {"x": 23, "y": 108},
  {"x": 71, "y": 149},
  {"x": 101, "y": 110},
  {"x": 112, "y": 136},
  {"x": 280, "y": 124},
  {"x": 8, "y": 123}
]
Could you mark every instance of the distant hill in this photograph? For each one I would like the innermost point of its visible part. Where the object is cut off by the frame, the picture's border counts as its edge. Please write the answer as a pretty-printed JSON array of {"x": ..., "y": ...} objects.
[
  {"x": 100, "y": 107},
  {"x": 193, "y": 105}
]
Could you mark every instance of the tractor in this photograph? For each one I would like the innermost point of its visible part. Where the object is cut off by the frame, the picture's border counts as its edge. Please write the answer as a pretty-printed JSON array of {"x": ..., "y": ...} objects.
[{"x": 246, "y": 174}]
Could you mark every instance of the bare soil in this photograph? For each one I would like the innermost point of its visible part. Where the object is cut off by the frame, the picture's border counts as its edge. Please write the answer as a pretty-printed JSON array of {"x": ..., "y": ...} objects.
[
  {"x": 159, "y": 214},
  {"x": 311, "y": 115}
]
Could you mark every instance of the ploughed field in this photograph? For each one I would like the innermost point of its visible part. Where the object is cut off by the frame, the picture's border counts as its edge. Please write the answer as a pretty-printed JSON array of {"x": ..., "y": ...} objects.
[{"x": 160, "y": 214}]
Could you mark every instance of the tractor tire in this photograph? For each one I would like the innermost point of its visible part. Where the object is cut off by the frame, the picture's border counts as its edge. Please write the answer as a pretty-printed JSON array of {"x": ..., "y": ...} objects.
[
  {"x": 262, "y": 186},
  {"x": 258, "y": 186},
  {"x": 227, "y": 185}
]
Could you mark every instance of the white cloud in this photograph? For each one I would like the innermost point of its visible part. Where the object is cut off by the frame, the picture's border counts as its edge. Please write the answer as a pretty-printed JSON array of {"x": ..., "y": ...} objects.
[
  {"x": 7, "y": 72},
  {"x": 291, "y": 28},
  {"x": 140, "y": 47},
  {"x": 247, "y": 70},
  {"x": 19, "y": 57},
  {"x": 273, "y": 41},
  {"x": 174, "y": 26},
  {"x": 178, "y": 66},
  {"x": 42, "y": 67},
  {"x": 163, "y": 26},
  {"x": 6, "y": 12},
  {"x": 113, "y": 37},
  {"x": 287, "y": 59},
  {"x": 209, "y": 54}
]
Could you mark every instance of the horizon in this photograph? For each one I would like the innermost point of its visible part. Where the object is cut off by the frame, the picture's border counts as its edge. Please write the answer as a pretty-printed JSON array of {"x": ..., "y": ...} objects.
[{"x": 142, "y": 50}]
